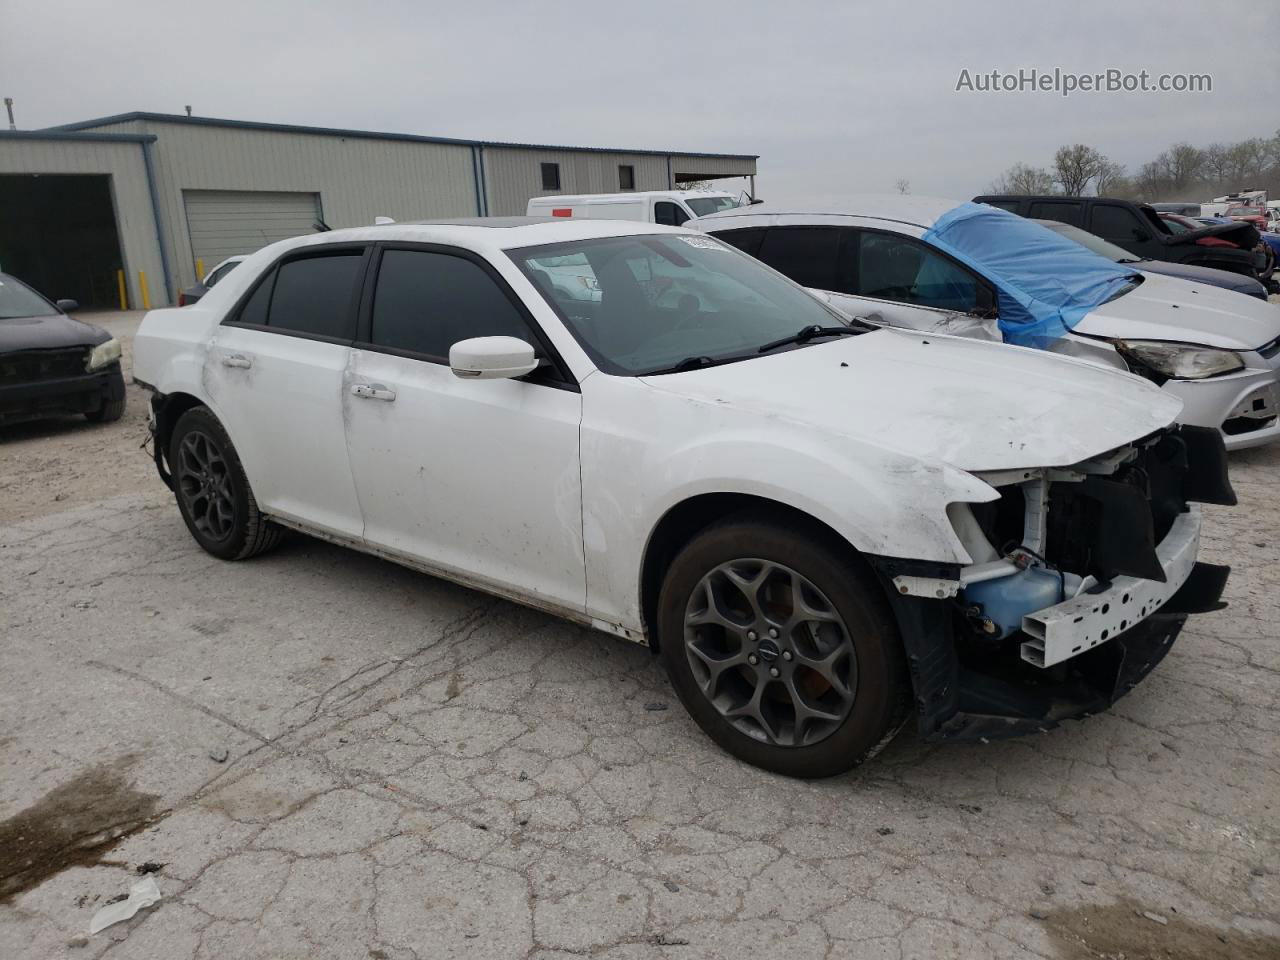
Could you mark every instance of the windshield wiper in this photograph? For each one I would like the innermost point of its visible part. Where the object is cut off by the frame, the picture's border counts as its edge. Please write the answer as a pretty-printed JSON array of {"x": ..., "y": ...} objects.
[{"x": 809, "y": 333}]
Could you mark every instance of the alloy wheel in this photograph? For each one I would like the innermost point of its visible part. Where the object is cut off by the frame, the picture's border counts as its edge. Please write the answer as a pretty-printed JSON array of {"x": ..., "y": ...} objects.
[
  {"x": 770, "y": 652},
  {"x": 204, "y": 483}
]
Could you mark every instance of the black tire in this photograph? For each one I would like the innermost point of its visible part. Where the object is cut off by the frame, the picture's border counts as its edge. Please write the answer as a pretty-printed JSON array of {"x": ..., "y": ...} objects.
[
  {"x": 108, "y": 412},
  {"x": 236, "y": 531},
  {"x": 880, "y": 700}
]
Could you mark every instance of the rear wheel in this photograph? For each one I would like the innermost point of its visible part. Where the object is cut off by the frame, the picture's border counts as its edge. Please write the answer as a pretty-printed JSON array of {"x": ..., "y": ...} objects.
[
  {"x": 782, "y": 648},
  {"x": 213, "y": 491}
]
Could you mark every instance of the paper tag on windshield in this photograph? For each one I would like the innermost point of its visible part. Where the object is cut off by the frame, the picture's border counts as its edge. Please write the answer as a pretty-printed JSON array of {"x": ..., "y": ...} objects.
[{"x": 703, "y": 243}]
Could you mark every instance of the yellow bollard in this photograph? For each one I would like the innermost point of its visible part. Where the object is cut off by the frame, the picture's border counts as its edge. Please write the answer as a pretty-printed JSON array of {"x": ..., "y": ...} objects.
[
  {"x": 142, "y": 284},
  {"x": 124, "y": 296},
  {"x": 199, "y": 270}
]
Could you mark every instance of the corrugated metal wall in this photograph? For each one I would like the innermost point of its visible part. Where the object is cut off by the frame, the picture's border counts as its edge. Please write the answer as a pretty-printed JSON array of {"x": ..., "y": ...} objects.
[
  {"x": 713, "y": 166},
  {"x": 357, "y": 178},
  {"x": 124, "y": 164},
  {"x": 514, "y": 174}
]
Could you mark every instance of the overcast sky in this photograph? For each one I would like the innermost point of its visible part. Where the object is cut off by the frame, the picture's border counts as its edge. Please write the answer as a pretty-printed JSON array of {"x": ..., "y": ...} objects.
[{"x": 837, "y": 98}]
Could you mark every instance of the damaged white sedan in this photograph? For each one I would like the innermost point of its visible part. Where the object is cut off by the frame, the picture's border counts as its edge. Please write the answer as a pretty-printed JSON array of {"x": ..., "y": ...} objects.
[{"x": 820, "y": 526}]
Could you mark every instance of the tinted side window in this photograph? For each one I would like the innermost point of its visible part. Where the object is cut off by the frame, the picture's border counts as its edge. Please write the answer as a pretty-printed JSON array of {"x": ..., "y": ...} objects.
[
  {"x": 808, "y": 255},
  {"x": 255, "y": 308},
  {"x": 1115, "y": 223},
  {"x": 669, "y": 213},
  {"x": 425, "y": 302},
  {"x": 1064, "y": 211},
  {"x": 746, "y": 239},
  {"x": 316, "y": 295},
  {"x": 898, "y": 268}
]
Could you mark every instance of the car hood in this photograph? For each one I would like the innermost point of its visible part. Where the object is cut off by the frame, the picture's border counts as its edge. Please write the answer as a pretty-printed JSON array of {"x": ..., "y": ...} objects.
[
  {"x": 974, "y": 405},
  {"x": 48, "y": 333},
  {"x": 1167, "y": 308},
  {"x": 1208, "y": 275}
]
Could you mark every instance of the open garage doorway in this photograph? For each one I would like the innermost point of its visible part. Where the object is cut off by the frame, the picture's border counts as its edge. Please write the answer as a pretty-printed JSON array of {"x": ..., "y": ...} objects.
[{"x": 58, "y": 234}]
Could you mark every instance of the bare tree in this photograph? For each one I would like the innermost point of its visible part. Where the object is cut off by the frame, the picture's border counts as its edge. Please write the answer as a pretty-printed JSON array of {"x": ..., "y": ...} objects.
[
  {"x": 903, "y": 186},
  {"x": 1075, "y": 166},
  {"x": 694, "y": 185},
  {"x": 1108, "y": 177},
  {"x": 1217, "y": 160},
  {"x": 1023, "y": 178},
  {"x": 1180, "y": 166}
]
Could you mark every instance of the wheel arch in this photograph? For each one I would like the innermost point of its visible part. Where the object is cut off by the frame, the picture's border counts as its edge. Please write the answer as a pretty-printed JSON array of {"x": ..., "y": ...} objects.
[
  {"x": 686, "y": 519},
  {"x": 167, "y": 408}
]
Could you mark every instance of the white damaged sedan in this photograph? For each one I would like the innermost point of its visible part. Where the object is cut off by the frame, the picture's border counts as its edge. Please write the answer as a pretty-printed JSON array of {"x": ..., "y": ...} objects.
[{"x": 821, "y": 527}]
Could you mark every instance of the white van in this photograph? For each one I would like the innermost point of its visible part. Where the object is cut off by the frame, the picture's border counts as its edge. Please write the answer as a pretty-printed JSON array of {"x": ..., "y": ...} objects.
[{"x": 671, "y": 207}]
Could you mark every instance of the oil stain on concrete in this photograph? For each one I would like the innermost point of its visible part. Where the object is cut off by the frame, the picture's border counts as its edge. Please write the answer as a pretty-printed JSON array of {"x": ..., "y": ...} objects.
[
  {"x": 75, "y": 824},
  {"x": 1125, "y": 930}
]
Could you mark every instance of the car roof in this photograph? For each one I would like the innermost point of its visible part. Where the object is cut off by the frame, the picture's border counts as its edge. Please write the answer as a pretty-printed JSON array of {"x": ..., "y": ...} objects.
[
  {"x": 920, "y": 211},
  {"x": 629, "y": 194},
  {"x": 502, "y": 233}
]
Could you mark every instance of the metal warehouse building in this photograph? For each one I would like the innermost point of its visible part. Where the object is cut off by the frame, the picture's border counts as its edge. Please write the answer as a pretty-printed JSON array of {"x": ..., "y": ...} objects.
[{"x": 138, "y": 201}]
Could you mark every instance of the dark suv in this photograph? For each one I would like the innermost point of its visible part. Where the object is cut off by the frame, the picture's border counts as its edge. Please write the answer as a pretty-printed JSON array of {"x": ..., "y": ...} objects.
[{"x": 1137, "y": 227}]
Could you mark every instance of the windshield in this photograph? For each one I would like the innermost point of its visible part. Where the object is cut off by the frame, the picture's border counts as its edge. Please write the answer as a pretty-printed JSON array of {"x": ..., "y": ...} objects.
[
  {"x": 643, "y": 304},
  {"x": 705, "y": 206},
  {"x": 1244, "y": 212},
  {"x": 19, "y": 300},
  {"x": 1175, "y": 224},
  {"x": 1099, "y": 246}
]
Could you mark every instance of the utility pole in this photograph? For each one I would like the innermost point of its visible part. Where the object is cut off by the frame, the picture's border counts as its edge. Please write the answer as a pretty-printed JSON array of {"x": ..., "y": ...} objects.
[{"x": 8, "y": 105}]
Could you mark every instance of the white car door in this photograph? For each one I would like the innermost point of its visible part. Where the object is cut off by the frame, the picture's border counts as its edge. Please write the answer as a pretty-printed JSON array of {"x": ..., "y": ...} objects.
[
  {"x": 274, "y": 377},
  {"x": 477, "y": 478}
]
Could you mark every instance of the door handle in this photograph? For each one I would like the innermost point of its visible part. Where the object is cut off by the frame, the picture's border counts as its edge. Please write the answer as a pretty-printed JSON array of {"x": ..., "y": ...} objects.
[
  {"x": 372, "y": 391},
  {"x": 237, "y": 360}
]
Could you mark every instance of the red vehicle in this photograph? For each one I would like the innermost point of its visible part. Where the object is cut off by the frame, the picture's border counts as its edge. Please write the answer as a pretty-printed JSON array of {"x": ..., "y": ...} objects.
[{"x": 1254, "y": 215}]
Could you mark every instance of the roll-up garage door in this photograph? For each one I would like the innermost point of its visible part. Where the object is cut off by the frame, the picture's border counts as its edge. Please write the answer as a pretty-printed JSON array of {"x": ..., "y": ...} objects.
[{"x": 224, "y": 223}]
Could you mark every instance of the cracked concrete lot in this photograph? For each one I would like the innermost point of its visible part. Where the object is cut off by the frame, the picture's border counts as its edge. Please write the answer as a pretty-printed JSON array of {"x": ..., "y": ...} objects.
[{"x": 323, "y": 755}]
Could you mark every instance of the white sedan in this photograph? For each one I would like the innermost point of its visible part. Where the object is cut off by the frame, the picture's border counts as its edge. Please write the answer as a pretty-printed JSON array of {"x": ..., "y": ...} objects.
[
  {"x": 1216, "y": 350},
  {"x": 821, "y": 527}
]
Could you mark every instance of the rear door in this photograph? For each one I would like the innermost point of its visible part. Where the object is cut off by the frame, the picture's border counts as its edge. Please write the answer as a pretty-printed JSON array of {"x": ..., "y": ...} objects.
[
  {"x": 478, "y": 478},
  {"x": 275, "y": 379}
]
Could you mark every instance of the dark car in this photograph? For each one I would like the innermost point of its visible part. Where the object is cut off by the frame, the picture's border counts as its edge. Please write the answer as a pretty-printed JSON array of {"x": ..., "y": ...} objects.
[
  {"x": 51, "y": 363},
  {"x": 1137, "y": 227},
  {"x": 1183, "y": 271}
]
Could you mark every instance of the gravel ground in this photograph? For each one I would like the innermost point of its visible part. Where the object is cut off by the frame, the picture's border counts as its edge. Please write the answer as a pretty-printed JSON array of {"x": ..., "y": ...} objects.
[{"x": 319, "y": 754}]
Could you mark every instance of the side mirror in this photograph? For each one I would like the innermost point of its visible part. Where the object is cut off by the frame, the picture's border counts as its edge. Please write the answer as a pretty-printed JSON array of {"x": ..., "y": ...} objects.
[
  {"x": 67, "y": 306},
  {"x": 491, "y": 358}
]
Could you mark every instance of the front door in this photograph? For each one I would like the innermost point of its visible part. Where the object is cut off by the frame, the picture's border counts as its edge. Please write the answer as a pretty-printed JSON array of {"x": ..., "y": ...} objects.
[
  {"x": 274, "y": 376},
  {"x": 479, "y": 478}
]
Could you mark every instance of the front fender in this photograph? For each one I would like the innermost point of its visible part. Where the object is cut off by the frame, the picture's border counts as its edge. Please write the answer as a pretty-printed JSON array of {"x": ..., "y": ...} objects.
[{"x": 662, "y": 450}]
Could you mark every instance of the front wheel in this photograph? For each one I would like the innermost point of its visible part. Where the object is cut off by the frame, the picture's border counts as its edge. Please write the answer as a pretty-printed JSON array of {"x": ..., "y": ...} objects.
[
  {"x": 213, "y": 491},
  {"x": 781, "y": 647}
]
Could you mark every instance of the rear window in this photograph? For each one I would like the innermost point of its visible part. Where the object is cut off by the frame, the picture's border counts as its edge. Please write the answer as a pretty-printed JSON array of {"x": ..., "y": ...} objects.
[{"x": 1064, "y": 211}]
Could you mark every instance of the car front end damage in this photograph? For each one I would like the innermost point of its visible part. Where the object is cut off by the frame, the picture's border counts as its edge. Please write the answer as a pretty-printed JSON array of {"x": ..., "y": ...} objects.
[{"x": 1080, "y": 581}]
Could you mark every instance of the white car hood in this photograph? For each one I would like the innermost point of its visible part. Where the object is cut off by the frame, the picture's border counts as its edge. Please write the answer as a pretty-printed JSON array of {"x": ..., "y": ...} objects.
[
  {"x": 1169, "y": 308},
  {"x": 974, "y": 405}
]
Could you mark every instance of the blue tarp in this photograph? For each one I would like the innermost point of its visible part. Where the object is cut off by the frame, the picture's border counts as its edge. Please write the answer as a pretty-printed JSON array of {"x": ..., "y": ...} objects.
[{"x": 1045, "y": 283}]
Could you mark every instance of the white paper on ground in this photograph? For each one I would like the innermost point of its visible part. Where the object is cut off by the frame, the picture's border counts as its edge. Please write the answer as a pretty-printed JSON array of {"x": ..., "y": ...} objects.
[{"x": 142, "y": 894}]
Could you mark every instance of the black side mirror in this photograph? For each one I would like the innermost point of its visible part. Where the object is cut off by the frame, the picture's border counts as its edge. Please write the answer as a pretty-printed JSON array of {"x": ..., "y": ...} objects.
[{"x": 67, "y": 306}]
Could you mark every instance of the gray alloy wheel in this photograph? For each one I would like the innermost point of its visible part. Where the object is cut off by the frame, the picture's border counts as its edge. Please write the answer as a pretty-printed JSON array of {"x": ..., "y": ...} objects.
[
  {"x": 202, "y": 480},
  {"x": 770, "y": 652}
]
